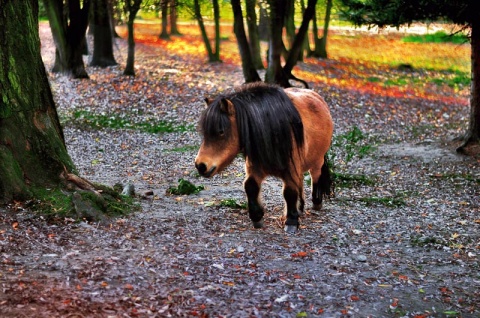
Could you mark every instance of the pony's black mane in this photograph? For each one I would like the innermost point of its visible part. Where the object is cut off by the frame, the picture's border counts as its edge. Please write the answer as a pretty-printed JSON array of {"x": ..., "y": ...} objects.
[{"x": 266, "y": 121}]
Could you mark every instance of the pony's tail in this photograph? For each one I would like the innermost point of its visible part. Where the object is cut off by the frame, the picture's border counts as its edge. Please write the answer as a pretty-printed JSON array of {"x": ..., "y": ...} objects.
[{"x": 325, "y": 182}]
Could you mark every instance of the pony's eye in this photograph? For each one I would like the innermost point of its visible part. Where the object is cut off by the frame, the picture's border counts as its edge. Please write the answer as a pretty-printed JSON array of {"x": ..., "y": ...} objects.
[{"x": 221, "y": 133}]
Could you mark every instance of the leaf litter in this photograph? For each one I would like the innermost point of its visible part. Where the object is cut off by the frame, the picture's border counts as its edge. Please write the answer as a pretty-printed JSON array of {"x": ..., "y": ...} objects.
[{"x": 181, "y": 257}]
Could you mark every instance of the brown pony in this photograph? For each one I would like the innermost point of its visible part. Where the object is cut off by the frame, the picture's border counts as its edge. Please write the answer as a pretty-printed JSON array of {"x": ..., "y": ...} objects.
[{"x": 280, "y": 132}]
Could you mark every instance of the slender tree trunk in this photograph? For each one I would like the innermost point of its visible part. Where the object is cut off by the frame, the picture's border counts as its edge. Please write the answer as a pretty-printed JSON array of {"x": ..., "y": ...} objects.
[
  {"x": 102, "y": 36},
  {"x": 131, "y": 8},
  {"x": 472, "y": 136},
  {"x": 300, "y": 37},
  {"x": 322, "y": 50},
  {"x": 173, "y": 18},
  {"x": 290, "y": 22},
  {"x": 130, "y": 66},
  {"x": 249, "y": 71},
  {"x": 254, "y": 39},
  {"x": 32, "y": 147},
  {"x": 212, "y": 56},
  {"x": 216, "y": 18},
  {"x": 69, "y": 33},
  {"x": 164, "y": 33},
  {"x": 275, "y": 72}
]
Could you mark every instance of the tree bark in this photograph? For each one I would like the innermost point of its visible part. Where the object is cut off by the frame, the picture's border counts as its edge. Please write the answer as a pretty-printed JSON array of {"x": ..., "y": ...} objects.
[
  {"x": 32, "y": 147},
  {"x": 254, "y": 39},
  {"x": 275, "y": 72},
  {"x": 68, "y": 33},
  {"x": 164, "y": 32},
  {"x": 102, "y": 36},
  {"x": 300, "y": 37},
  {"x": 131, "y": 9},
  {"x": 212, "y": 56},
  {"x": 249, "y": 71},
  {"x": 472, "y": 136},
  {"x": 173, "y": 18}
]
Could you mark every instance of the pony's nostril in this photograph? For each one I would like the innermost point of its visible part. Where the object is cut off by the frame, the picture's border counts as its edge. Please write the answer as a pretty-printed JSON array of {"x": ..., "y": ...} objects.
[{"x": 201, "y": 167}]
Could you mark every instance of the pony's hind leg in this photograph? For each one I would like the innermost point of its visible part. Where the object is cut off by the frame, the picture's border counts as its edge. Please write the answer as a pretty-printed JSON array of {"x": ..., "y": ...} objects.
[
  {"x": 321, "y": 184},
  {"x": 252, "y": 187}
]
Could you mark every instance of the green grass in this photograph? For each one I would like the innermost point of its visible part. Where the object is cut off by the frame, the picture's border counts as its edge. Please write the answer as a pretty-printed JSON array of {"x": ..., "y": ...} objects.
[
  {"x": 232, "y": 203},
  {"x": 437, "y": 37},
  {"x": 186, "y": 148},
  {"x": 117, "y": 122},
  {"x": 352, "y": 180},
  {"x": 184, "y": 187}
]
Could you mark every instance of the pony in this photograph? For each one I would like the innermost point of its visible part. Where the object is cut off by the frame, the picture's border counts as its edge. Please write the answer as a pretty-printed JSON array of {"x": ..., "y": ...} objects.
[{"x": 280, "y": 132}]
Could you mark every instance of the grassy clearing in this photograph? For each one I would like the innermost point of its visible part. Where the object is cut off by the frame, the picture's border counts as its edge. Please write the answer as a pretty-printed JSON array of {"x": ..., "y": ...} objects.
[
  {"x": 437, "y": 37},
  {"x": 98, "y": 121}
]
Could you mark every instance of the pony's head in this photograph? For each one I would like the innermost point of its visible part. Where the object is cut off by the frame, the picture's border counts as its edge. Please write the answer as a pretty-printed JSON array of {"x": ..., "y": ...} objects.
[{"x": 220, "y": 137}]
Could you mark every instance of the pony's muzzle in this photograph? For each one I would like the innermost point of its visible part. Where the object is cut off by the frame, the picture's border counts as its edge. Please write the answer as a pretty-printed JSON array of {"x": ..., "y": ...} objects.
[{"x": 203, "y": 169}]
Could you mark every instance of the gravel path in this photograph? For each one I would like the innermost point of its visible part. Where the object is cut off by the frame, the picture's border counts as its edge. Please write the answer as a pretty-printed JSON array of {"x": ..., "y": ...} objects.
[{"x": 406, "y": 245}]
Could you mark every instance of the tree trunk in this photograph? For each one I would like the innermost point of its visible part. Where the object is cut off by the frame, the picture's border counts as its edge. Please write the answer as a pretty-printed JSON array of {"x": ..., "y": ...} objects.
[
  {"x": 275, "y": 72},
  {"x": 164, "y": 33},
  {"x": 173, "y": 18},
  {"x": 253, "y": 34},
  {"x": 263, "y": 24},
  {"x": 249, "y": 71},
  {"x": 212, "y": 57},
  {"x": 300, "y": 37},
  {"x": 102, "y": 36},
  {"x": 68, "y": 33},
  {"x": 216, "y": 18},
  {"x": 290, "y": 22},
  {"x": 32, "y": 147},
  {"x": 130, "y": 66},
  {"x": 322, "y": 50},
  {"x": 472, "y": 136}
]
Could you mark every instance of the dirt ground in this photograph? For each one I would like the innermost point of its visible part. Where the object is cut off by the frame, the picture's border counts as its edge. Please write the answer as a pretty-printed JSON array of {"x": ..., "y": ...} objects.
[{"x": 406, "y": 245}]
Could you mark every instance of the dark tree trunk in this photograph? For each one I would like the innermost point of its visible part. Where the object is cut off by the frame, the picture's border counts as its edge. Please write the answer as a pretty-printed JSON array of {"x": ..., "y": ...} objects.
[
  {"x": 321, "y": 50},
  {"x": 290, "y": 22},
  {"x": 68, "y": 33},
  {"x": 173, "y": 18},
  {"x": 263, "y": 24},
  {"x": 164, "y": 32},
  {"x": 472, "y": 136},
  {"x": 131, "y": 9},
  {"x": 254, "y": 39},
  {"x": 300, "y": 37},
  {"x": 102, "y": 36},
  {"x": 275, "y": 72},
  {"x": 249, "y": 71},
  {"x": 212, "y": 56},
  {"x": 32, "y": 147},
  {"x": 111, "y": 17}
]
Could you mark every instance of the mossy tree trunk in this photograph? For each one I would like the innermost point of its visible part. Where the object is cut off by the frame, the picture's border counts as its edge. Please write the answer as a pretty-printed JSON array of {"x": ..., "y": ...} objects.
[
  {"x": 102, "y": 35},
  {"x": 32, "y": 147}
]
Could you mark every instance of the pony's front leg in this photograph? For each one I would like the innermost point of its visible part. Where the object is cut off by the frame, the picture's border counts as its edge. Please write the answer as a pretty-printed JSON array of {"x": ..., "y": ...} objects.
[
  {"x": 291, "y": 195},
  {"x": 255, "y": 209}
]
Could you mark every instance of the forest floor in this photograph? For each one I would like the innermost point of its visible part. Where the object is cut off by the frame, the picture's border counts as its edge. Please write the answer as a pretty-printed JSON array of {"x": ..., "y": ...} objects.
[{"x": 401, "y": 237}]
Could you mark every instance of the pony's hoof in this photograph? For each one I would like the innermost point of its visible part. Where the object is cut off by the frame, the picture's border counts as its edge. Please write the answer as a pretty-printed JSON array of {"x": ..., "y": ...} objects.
[
  {"x": 291, "y": 229},
  {"x": 317, "y": 207},
  {"x": 258, "y": 224}
]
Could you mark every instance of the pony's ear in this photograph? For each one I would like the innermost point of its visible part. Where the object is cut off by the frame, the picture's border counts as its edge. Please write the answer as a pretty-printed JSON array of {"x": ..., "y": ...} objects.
[
  {"x": 226, "y": 106},
  {"x": 208, "y": 100}
]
